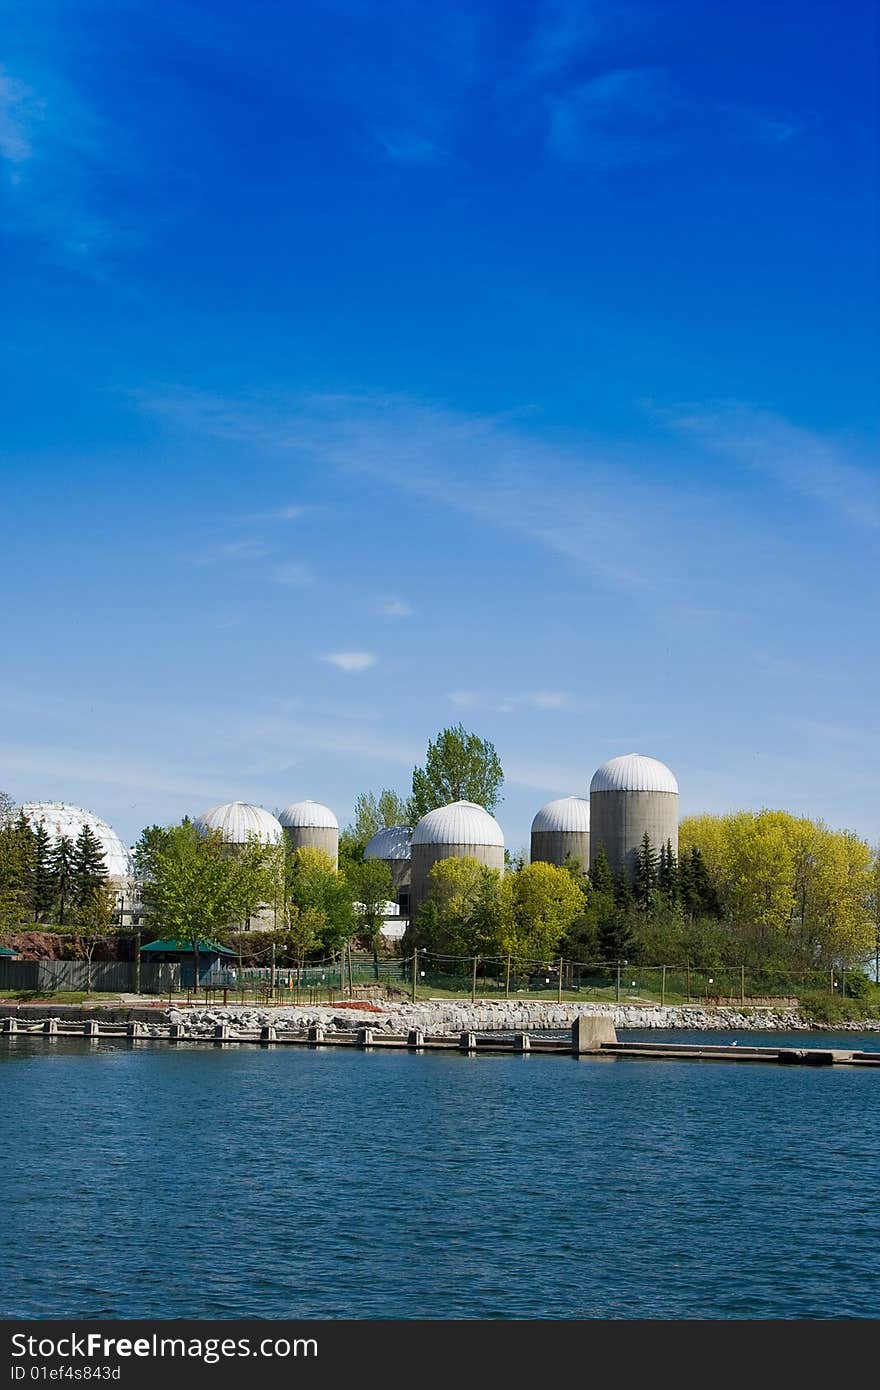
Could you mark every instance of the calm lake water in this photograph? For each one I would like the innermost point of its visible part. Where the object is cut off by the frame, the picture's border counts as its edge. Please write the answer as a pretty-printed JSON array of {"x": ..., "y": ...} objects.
[{"x": 198, "y": 1183}]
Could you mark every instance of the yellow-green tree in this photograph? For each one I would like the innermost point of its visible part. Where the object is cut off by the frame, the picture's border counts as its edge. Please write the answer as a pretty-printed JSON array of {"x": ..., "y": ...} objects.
[
  {"x": 463, "y": 914},
  {"x": 789, "y": 884},
  {"x": 539, "y": 905}
]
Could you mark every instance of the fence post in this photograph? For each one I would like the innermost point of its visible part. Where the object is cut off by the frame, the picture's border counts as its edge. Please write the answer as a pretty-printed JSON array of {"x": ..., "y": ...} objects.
[
  {"x": 618, "y": 982},
  {"x": 415, "y": 971},
  {"x": 831, "y": 985},
  {"x": 474, "y": 983},
  {"x": 662, "y": 985},
  {"x": 507, "y": 979},
  {"x": 688, "y": 969},
  {"x": 742, "y": 984},
  {"x": 559, "y": 990}
]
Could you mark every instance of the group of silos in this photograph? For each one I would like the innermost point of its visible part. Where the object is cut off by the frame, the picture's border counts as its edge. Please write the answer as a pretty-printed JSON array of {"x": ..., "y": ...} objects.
[{"x": 630, "y": 796}]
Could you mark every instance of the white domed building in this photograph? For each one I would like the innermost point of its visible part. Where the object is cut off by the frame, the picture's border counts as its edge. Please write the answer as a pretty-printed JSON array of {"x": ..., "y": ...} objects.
[
  {"x": 238, "y": 823},
  {"x": 631, "y": 796},
  {"x": 310, "y": 825},
  {"x": 561, "y": 831},
  {"x": 64, "y": 821},
  {"x": 457, "y": 831},
  {"x": 394, "y": 847}
]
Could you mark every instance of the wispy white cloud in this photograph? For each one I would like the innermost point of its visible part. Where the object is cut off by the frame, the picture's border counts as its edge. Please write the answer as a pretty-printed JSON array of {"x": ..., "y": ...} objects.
[
  {"x": 18, "y": 114},
  {"x": 506, "y": 704},
  {"x": 803, "y": 461},
  {"x": 759, "y": 125},
  {"x": 620, "y": 118},
  {"x": 351, "y": 661},
  {"x": 293, "y": 512},
  {"x": 409, "y": 147},
  {"x": 294, "y": 574},
  {"x": 56, "y": 154},
  {"x": 394, "y": 608}
]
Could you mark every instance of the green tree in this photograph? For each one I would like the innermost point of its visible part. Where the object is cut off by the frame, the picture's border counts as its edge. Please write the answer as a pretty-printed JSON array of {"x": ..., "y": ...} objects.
[
  {"x": 312, "y": 881},
  {"x": 16, "y": 853},
  {"x": 372, "y": 813},
  {"x": 463, "y": 914},
  {"x": 372, "y": 888},
  {"x": 459, "y": 766},
  {"x": 645, "y": 884},
  {"x": 667, "y": 875},
  {"x": 617, "y": 938},
  {"x": 601, "y": 877},
  {"x": 88, "y": 867},
  {"x": 540, "y": 905},
  {"x": 301, "y": 934},
  {"x": 62, "y": 875},
  {"x": 193, "y": 892},
  {"x": 94, "y": 918},
  {"x": 41, "y": 879}
]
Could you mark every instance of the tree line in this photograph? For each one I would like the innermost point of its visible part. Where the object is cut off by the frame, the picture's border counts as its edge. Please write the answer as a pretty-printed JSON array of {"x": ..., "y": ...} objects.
[{"x": 63, "y": 883}]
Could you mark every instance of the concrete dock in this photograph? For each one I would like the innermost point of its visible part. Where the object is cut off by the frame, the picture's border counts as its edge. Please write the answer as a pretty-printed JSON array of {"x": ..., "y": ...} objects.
[{"x": 590, "y": 1037}]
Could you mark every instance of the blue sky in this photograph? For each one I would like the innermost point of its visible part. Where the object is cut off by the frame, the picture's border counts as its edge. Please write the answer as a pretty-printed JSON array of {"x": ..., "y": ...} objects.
[{"x": 369, "y": 367}]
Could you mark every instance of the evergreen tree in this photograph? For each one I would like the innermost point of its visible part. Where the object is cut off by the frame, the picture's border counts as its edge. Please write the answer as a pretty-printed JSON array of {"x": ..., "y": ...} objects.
[
  {"x": 62, "y": 875},
  {"x": 702, "y": 896},
  {"x": 41, "y": 882},
  {"x": 88, "y": 868},
  {"x": 601, "y": 877},
  {"x": 646, "y": 874},
  {"x": 16, "y": 853},
  {"x": 667, "y": 874},
  {"x": 623, "y": 894},
  {"x": 616, "y": 938}
]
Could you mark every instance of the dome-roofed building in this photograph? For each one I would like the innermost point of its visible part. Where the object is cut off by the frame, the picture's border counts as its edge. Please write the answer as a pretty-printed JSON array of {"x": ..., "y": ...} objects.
[
  {"x": 393, "y": 846},
  {"x": 65, "y": 821},
  {"x": 631, "y": 796},
  {"x": 457, "y": 831},
  {"x": 561, "y": 831},
  {"x": 310, "y": 825},
  {"x": 238, "y": 822}
]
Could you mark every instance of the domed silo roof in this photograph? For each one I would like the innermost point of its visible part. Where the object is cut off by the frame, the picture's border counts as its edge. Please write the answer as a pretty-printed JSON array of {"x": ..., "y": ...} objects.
[
  {"x": 63, "y": 820},
  {"x": 634, "y": 772},
  {"x": 308, "y": 814},
  {"x": 460, "y": 823},
  {"x": 568, "y": 815},
  {"x": 393, "y": 843},
  {"x": 238, "y": 822}
]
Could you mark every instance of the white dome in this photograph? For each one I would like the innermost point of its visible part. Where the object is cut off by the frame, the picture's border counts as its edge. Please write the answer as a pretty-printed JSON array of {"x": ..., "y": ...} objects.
[
  {"x": 460, "y": 823},
  {"x": 310, "y": 815},
  {"x": 63, "y": 820},
  {"x": 393, "y": 843},
  {"x": 634, "y": 772},
  {"x": 569, "y": 813},
  {"x": 238, "y": 822}
]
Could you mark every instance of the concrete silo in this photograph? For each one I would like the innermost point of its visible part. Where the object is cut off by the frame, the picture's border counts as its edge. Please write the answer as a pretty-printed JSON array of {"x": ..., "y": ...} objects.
[
  {"x": 238, "y": 824},
  {"x": 458, "y": 831},
  {"x": 309, "y": 825},
  {"x": 629, "y": 796},
  {"x": 561, "y": 831},
  {"x": 394, "y": 847}
]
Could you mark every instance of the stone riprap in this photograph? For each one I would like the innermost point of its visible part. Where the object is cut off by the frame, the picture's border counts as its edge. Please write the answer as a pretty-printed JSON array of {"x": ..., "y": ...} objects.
[{"x": 486, "y": 1016}]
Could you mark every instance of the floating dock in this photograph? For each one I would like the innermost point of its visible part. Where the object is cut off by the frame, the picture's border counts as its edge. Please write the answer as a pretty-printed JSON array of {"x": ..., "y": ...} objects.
[{"x": 591, "y": 1036}]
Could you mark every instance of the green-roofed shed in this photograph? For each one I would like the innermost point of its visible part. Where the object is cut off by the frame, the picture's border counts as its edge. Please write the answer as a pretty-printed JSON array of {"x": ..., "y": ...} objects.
[{"x": 170, "y": 951}]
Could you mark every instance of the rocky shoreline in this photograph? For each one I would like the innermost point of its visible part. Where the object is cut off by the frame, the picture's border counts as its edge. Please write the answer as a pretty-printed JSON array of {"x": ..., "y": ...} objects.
[
  {"x": 433, "y": 1016},
  {"x": 456, "y": 1016}
]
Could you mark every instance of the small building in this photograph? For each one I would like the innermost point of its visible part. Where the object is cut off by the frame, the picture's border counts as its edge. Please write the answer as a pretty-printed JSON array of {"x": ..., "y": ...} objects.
[{"x": 212, "y": 958}]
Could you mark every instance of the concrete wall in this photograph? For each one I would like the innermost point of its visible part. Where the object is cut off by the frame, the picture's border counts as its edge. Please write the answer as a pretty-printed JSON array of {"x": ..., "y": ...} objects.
[
  {"x": 424, "y": 857},
  {"x": 618, "y": 820},
  {"x": 555, "y": 846},
  {"x": 314, "y": 837}
]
